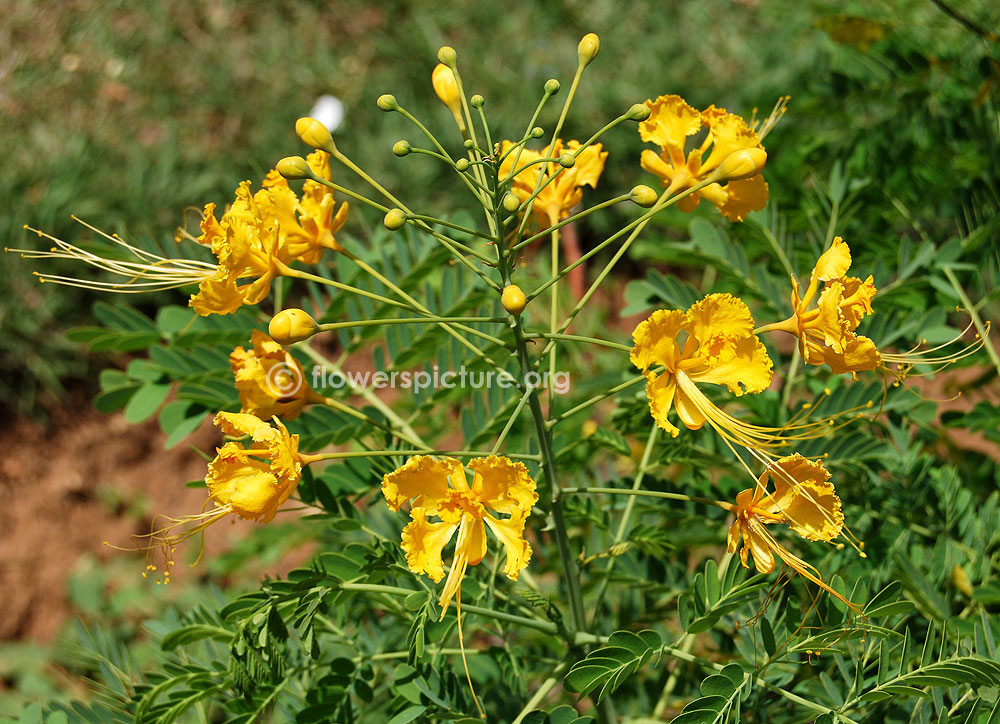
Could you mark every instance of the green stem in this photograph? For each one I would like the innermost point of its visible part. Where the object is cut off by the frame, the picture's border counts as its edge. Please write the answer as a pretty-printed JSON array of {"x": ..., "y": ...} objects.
[
  {"x": 626, "y": 516},
  {"x": 446, "y": 327},
  {"x": 570, "y": 219},
  {"x": 330, "y": 326},
  {"x": 510, "y": 421},
  {"x": 594, "y": 400},
  {"x": 652, "y": 494},
  {"x": 579, "y": 338},
  {"x": 980, "y": 327},
  {"x": 539, "y": 696},
  {"x": 366, "y": 393},
  {"x": 287, "y": 271}
]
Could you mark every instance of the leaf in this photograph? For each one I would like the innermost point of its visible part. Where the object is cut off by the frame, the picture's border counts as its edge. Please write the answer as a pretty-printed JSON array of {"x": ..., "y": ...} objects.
[
  {"x": 610, "y": 666},
  {"x": 196, "y": 632}
]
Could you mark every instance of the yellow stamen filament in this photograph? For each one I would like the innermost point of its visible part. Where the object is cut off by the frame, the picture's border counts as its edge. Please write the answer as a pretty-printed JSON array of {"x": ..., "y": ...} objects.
[{"x": 150, "y": 272}]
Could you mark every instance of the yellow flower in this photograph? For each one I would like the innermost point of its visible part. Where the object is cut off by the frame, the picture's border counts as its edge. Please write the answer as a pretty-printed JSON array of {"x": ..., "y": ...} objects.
[
  {"x": 670, "y": 122},
  {"x": 439, "y": 488},
  {"x": 826, "y": 331},
  {"x": 254, "y": 482},
  {"x": 253, "y": 242},
  {"x": 270, "y": 380},
  {"x": 718, "y": 347},
  {"x": 251, "y": 482},
  {"x": 803, "y": 499},
  {"x": 562, "y": 188}
]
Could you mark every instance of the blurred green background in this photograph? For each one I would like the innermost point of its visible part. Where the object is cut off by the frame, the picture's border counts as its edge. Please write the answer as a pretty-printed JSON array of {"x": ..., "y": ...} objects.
[{"x": 131, "y": 115}]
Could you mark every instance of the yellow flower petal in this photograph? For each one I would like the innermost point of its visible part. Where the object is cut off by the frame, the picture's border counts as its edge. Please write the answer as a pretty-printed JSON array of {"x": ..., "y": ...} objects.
[
  {"x": 687, "y": 410},
  {"x": 425, "y": 480},
  {"x": 671, "y": 120},
  {"x": 510, "y": 532},
  {"x": 503, "y": 485},
  {"x": 719, "y": 315},
  {"x": 423, "y": 544},
  {"x": 655, "y": 339},
  {"x": 730, "y": 134},
  {"x": 246, "y": 485},
  {"x": 834, "y": 262},
  {"x": 660, "y": 390},
  {"x": 238, "y": 424},
  {"x": 270, "y": 381},
  {"x": 217, "y": 294},
  {"x": 653, "y": 162},
  {"x": 742, "y": 197},
  {"x": 755, "y": 538},
  {"x": 804, "y": 495},
  {"x": 743, "y": 365}
]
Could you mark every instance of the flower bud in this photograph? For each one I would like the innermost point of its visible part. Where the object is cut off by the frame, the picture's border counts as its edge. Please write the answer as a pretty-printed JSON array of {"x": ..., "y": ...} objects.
[
  {"x": 446, "y": 87},
  {"x": 642, "y": 196},
  {"x": 513, "y": 300},
  {"x": 401, "y": 148},
  {"x": 742, "y": 164},
  {"x": 387, "y": 103},
  {"x": 537, "y": 132},
  {"x": 291, "y": 326},
  {"x": 448, "y": 56},
  {"x": 589, "y": 47},
  {"x": 477, "y": 101},
  {"x": 638, "y": 112},
  {"x": 462, "y": 165},
  {"x": 394, "y": 220},
  {"x": 552, "y": 86},
  {"x": 511, "y": 203},
  {"x": 567, "y": 160},
  {"x": 315, "y": 134},
  {"x": 294, "y": 167}
]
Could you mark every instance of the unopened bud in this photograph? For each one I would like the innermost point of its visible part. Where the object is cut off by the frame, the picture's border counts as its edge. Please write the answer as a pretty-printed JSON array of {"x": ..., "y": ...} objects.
[
  {"x": 477, "y": 101},
  {"x": 292, "y": 325},
  {"x": 315, "y": 134},
  {"x": 394, "y": 220},
  {"x": 513, "y": 300},
  {"x": 552, "y": 86},
  {"x": 387, "y": 102},
  {"x": 589, "y": 47},
  {"x": 294, "y": 167},
  {"x": 511, "y": 203},
  {"x": 567, "y": 160},
  {"x": 462, "y": 165},
  {"x": 401, "y": 148},
  {"x": 742, "y": 164},
  {"x": 642, "y": 196},
  {"x": 537, "y": 132},
  {"x": 446, "y": 87},
  {"x": 448, "y": 56},
  {"x": 638, "y": 112}
]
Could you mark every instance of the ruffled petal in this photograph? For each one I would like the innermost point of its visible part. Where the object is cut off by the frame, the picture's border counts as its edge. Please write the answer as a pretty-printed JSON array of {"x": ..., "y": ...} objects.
[
  {"x": 510, "y": 533},
  {"x": 804, "y": 495},
  {"x": 655, "y": 339},
  {"x": 502, "y": 485},
  {"x": 718, "y": 316},
  {"x": 423, "y": 544},
  {"x": 246, "y": 485},
  {"x": 217, "y": 294},
  {"x": 834, "y": 262},
  {"x": 743, "y": 366},
  {"x": 671, "y": 120},
  {"x": 238, "y": 424},
  {"x": 756, "y": 539},
  {"x": 742, "y": 197},
  {"x": 423, "y": 479}
]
